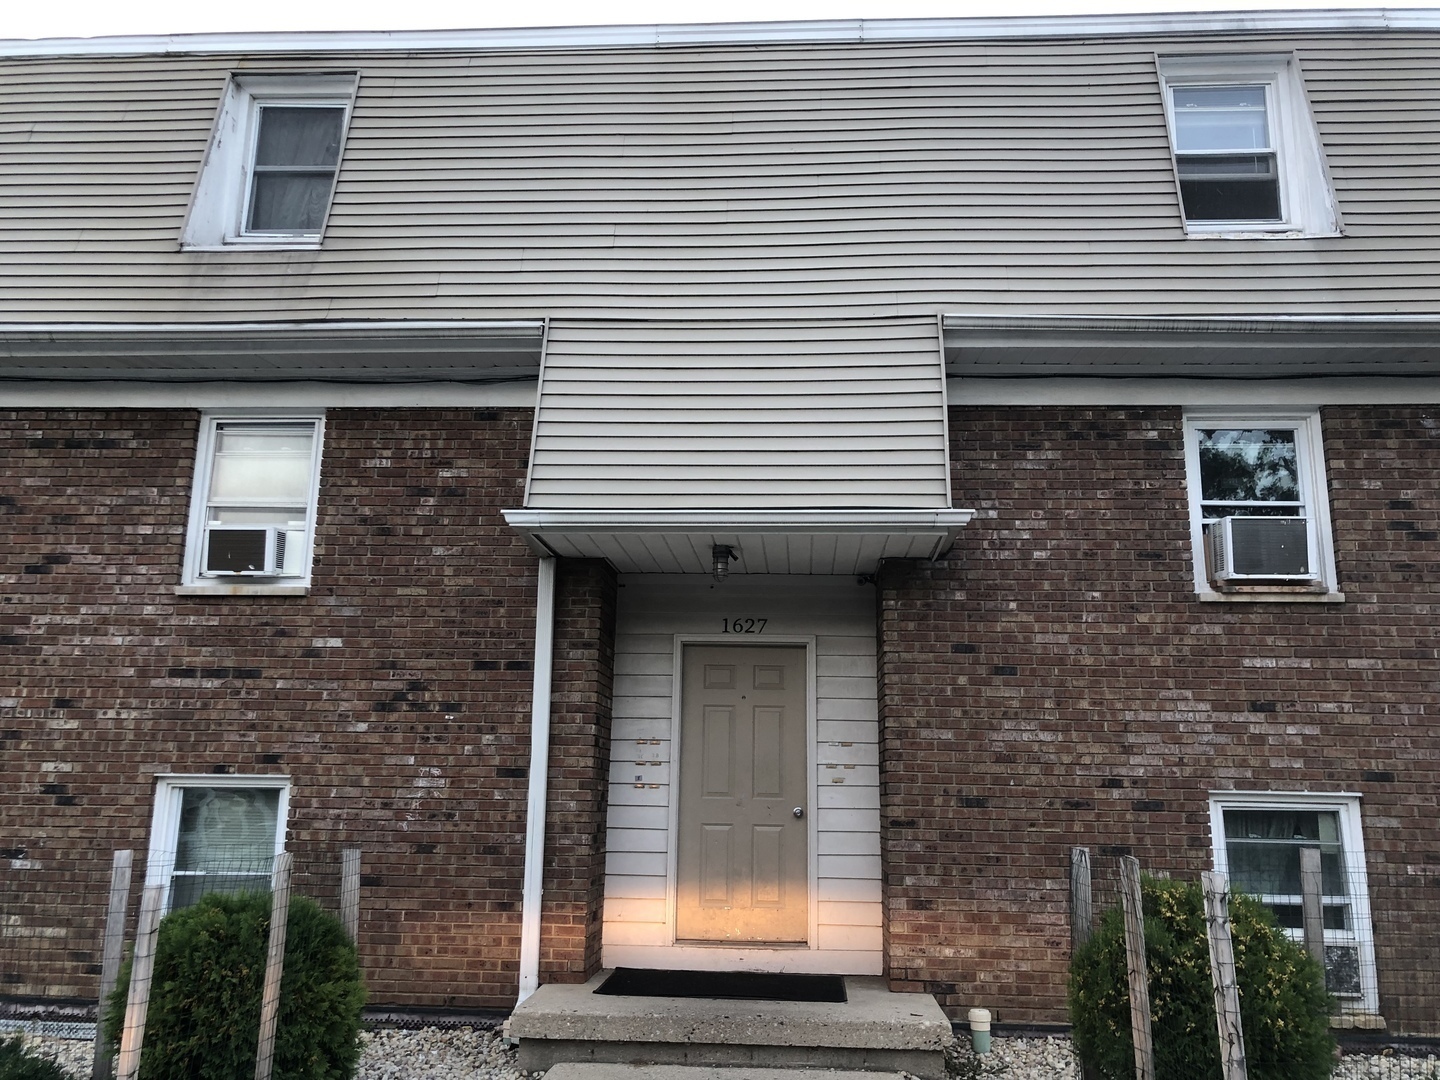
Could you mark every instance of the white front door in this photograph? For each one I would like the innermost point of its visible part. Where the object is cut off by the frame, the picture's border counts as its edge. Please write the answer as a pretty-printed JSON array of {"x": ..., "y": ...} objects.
[{"x": 743, "y": 866}]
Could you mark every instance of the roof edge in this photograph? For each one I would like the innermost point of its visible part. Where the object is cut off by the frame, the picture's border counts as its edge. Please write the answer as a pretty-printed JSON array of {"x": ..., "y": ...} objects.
[{"x": 835, "y": 31}]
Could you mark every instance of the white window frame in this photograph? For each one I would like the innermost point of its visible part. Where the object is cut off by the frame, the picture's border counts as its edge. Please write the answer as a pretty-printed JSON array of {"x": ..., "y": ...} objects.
[
  {"x": 1352, "y": 841},
  {"x": 218, "y": 206},
  {"x": 1310, "y": 461},
  {"x": 165, "y": 819},
  {"x": 195, "y": 580},
  {"x": 1307, "y": 201}
]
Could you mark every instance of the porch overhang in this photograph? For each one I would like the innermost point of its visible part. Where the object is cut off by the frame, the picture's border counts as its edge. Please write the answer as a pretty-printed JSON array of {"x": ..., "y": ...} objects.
[
  {"x": 452, "y": 351},
  {"x": 1261, "y": 347},
  {"x": 764, "y": 541}
]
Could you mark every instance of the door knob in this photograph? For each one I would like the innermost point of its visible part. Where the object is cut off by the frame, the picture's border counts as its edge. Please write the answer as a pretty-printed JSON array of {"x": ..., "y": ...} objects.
[{"x": 799, "y": 811}]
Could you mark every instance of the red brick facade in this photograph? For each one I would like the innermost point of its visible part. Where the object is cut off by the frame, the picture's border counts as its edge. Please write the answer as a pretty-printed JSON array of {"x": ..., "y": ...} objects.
[
  {"x": 1053, "y": 682},
  {"x": 396, "y": 695}
]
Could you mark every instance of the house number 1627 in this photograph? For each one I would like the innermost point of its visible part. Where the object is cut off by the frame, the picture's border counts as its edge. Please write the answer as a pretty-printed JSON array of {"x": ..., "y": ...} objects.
[{"x": 743, "y": 626}]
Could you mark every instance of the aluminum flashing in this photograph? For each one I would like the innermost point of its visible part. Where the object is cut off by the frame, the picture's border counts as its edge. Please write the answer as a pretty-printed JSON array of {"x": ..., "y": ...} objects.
[
  {"x": 340, "y": 352},
  {"x": 671, "y": 34},
  {"x": 979, "y": 346}
]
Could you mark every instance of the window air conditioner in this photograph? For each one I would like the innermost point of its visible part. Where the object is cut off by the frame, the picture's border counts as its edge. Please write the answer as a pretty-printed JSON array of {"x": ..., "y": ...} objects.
[
  {"x": 262, "y": 551},
  {"x": 1261, "y": 548}
]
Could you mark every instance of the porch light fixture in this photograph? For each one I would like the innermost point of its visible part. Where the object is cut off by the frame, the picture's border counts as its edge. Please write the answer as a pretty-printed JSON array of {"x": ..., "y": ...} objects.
[{"x": 721, "y": 556}]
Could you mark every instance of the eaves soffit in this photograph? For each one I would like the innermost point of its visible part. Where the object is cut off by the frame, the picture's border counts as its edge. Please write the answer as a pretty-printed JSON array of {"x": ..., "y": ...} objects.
[
  {"x": 981, "y": 346},
  {"x": 340, "y": 352}
]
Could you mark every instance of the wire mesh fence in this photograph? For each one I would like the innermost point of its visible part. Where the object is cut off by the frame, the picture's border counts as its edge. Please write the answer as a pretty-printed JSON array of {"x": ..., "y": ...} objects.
[
  {"x": 1373, "y": 933},
  {"x": 61, "y": 953}
]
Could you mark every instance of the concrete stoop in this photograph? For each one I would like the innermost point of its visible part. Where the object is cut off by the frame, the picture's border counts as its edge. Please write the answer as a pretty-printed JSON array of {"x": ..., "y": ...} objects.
[
  {"x": 873, "y": 1032},
  {"x": 594, "y": 1070}
]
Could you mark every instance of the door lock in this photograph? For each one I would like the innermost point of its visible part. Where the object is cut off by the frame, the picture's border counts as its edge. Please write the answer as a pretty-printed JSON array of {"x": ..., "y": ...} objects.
[{"x": 799, "y": 811}]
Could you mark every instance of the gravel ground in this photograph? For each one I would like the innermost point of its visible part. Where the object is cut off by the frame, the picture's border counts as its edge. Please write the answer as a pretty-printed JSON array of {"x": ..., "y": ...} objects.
[{"x": 466, "y": 1054}]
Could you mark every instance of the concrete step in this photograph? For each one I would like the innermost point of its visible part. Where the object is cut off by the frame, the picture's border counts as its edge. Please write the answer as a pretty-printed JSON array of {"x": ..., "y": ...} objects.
[
  {"x": 874, "y": 1031},
  {"x": 574, "y": 1070}
]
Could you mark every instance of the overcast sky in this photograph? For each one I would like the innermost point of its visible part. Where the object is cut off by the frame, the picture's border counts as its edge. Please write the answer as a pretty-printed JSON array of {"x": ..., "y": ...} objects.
[{"x": 92, "y": 18}]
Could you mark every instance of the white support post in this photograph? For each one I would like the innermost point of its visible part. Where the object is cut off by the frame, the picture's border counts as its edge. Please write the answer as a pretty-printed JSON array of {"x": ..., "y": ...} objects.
[{"x": 534, "y": 874}]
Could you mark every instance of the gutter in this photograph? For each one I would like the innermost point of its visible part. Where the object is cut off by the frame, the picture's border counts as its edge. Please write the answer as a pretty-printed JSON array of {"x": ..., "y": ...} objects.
[
  {"x": 534, "y": 873},
  {"x": 662, "y": 35}
]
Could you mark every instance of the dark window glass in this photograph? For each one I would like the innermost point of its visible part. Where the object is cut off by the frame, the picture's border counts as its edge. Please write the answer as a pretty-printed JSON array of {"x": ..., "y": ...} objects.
[{"x": 296, "y": 153}]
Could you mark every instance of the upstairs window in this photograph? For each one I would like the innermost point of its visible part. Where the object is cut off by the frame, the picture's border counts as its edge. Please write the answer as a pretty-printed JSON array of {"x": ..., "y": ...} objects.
[
  {"x": 297, "y": 152},
  {"x": 1257, "y": 501},
  {"x": 274, "y": 158},
  {"x": 253, "y": 510},
  {"x": 1247, "y": 156}
]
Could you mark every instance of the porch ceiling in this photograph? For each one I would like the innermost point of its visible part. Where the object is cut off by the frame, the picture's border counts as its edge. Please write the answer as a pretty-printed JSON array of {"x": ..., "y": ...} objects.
[{"x": 766, "y": 542}]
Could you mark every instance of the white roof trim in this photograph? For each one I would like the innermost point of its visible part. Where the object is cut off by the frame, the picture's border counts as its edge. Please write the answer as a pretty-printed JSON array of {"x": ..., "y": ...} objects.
[
  {"x": 898, "y": 522},
  {"x": 1197, "y": 324},
  {"x": 319, "y": 328},
  {"x": 835, "y": 31}
]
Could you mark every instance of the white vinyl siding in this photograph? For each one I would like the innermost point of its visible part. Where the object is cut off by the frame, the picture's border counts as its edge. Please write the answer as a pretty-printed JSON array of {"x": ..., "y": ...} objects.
[
  {"x": 666, "y": 415},
  {"x": 791, "y": 181},
  {"x": 840, "y": 616}
]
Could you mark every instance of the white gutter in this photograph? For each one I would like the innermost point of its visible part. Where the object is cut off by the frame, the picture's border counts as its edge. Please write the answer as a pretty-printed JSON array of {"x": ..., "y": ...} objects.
[
  {"x": 833, "y": 31},
  {"x": 898, "y": 521},
  {"x": 534, "y": 873}
]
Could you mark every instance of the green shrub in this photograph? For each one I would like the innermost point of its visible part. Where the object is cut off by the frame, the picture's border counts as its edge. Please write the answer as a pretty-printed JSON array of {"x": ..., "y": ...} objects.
[
  {"x": 204, "y": 1016},
  {"x": 1284, "y": 1009},
  {"x": 17, "y": 1062}
]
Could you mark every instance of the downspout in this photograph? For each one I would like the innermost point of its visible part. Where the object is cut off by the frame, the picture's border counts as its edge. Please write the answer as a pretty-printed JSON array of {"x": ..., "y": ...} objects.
[{"x": 534, "y": 875}]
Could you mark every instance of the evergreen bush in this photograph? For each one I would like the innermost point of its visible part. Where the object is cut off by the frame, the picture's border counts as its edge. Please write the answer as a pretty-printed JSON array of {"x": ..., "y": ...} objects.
[
  {"x": 1284, "y": 1009},
  {"x": 18, "y": 1062},
  {"x": 204, "y": 1016}
]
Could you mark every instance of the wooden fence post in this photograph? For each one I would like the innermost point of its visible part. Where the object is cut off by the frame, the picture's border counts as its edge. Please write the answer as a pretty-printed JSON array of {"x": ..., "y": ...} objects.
[
  {"x": 1082, "y": 916},
  {"x": 1312, "y": 913},
  {"x": 111, "y": 953},
  {"x": 350, "y": 893},
  {"x": 274, "y": 965},
  {"x": 142, "y": 970},
  {"x": 1222, "y": 975},
  {"x": 1135, "y": 967}
]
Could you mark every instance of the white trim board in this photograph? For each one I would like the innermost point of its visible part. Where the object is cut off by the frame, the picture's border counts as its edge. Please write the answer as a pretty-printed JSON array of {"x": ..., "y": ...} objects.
[
  {"x": 47, "y": 394},
  {"x": 1420, "y": 390},
  {"x": 739, "y": 33}
]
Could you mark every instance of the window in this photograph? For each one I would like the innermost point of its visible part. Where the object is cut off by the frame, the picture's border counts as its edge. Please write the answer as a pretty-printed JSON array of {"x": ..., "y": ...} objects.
[
  {"x": 1260, "y": 521},
  {"x": 215, "y": 834},
  {"x": 1258, "y": 839},
  {"x": 273, "y": 161},
  {"x": 252, "y": 512},
  {"x": 1247, "y": 155}
]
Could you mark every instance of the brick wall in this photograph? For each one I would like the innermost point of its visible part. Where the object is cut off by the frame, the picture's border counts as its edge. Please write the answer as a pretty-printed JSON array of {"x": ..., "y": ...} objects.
[
  {"x": 1053, "y": 682},
  {"x": 396, "y": 695},
  {"x": 579, "y": 771}
]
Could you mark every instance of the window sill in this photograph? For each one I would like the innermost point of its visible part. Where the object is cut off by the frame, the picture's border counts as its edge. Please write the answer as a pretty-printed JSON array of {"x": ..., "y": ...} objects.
[
  {"x": 1270, "y": 596},
  {"x": 1358, "y": 1021},
  {"x": 246, "y": 589},
  {"x": 256, "y": 245},
  {"x": 1239, "y": 233}
]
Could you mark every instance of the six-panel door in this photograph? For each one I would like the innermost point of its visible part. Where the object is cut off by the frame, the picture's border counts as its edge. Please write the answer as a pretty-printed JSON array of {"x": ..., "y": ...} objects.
[{"x": 743, "y": 863}]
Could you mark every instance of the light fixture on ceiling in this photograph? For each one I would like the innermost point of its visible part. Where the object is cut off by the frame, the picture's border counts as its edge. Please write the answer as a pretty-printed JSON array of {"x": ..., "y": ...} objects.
[{"x": 721, "y": 556}]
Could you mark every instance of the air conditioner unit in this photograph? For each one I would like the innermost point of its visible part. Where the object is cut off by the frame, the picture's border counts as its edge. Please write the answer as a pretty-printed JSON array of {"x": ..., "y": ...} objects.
[
  {"x": 259, "y": 551},
  {"x": 1262, "y": 548}
]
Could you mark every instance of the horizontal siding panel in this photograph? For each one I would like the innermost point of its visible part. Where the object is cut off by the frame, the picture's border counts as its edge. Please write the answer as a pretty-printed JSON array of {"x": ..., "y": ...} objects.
[
  {"x": 647, "y": 406},
  {"x": 779, "y": 181}
]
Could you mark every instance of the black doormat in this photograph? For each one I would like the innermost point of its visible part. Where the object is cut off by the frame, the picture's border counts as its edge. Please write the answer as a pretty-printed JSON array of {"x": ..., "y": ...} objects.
[{"x": 728, "y": 985}]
